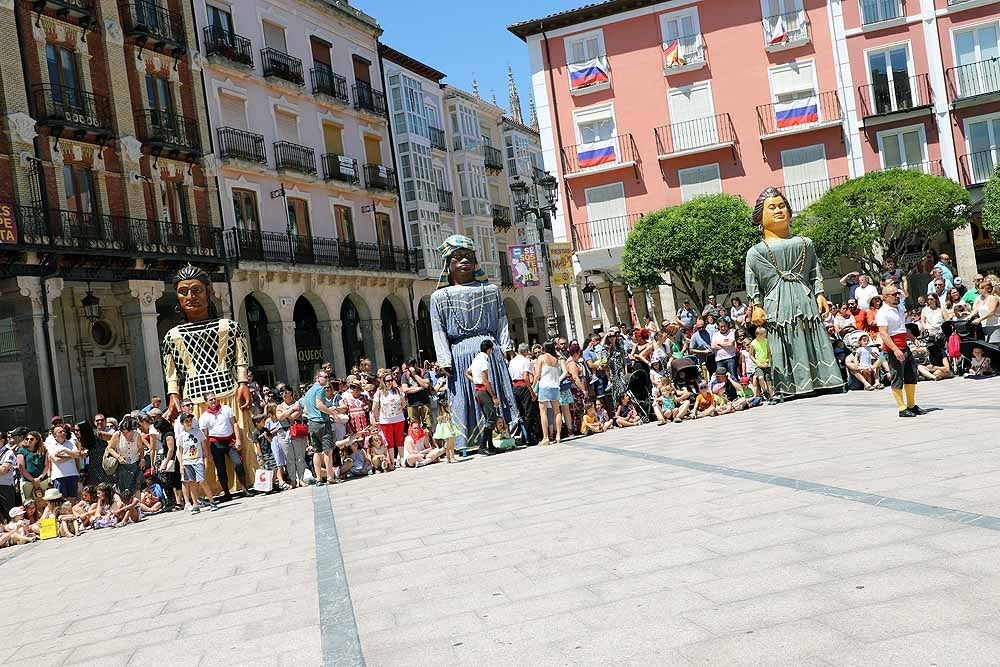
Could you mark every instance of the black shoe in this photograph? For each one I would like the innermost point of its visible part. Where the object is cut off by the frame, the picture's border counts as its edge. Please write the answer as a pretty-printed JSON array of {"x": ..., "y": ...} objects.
[
  {"x": 486, "y": 451},
  {"x": 907, "y": 413},
  {"x": 917, "y": 410},
  {"x": 227, "y": 497}
]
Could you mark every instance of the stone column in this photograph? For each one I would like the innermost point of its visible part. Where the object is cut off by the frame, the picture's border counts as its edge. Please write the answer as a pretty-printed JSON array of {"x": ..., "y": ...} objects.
[
  {"x": 140, "y": 317},
  {"x": 374, "y": 344},
  {"x": 286, "y": 362},
  {"x": 407, "y": 335},
  {"x": 641, "y": 308},
  {"x": 965, "y": 254},
  {"x": 326, "y": 342},
  {"x": 623, "y": 313},
  {"x": 667, "y": 302},
  {"x": 607, "y": 306},
  {"x": 337, "y": 340},
  {"x": 36, "y": 355}
]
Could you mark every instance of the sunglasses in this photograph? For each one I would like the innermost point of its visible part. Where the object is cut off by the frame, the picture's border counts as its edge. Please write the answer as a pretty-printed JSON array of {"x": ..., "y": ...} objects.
[{"x": 31, "y": 437}]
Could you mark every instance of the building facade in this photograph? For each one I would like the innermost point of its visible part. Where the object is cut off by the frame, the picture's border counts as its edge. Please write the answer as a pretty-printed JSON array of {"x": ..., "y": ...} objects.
[
  {"x": 647, "y": 104},
  {"x": 107, "y": 190}
]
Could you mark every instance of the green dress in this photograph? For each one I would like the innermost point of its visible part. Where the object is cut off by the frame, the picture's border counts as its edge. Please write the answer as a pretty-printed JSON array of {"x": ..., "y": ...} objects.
[{"x": 783, "y": 277}]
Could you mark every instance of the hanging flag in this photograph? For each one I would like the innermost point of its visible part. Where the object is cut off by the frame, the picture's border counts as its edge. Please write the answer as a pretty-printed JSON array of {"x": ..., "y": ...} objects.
[
  {"x": 802, "y": 111},
  {"x": 588, "y": 73},
  {"x": 779, "y": 34},
  {"x": 596, "y": 153},
  {"x": 523, "y": 265},
  {"x": 561, "y": 263},
  {"x": 672, "y": 54}
]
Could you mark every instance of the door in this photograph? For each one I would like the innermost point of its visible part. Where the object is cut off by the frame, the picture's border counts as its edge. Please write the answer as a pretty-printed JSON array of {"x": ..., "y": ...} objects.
[
  {"x": 597, "y": 141},
  {"x": 984, "y": 148},
  {"x": 607, "y": 223},
  {"x": 111, "y": 389},
  {"x": 232, "y": 113},
  {"x": 805, "y": 175},
  {"x": 902, "y": 148},
  {"x": 977, "y": 51},
  {"x": 79, "y": 221},
  {"x": 274, "y": 37},
  {"x": 362, "y": 70},
  {"x": 287, "y": 126},
  {"x": 890, "y": 78},
  {"x": 692, "y": 117},
  {"x": 64, "y": 80},
  {"x": 383, "y": 236},
  {"x": 320, "y": 52},
  {"x": 683, "y": 27},
  {"x": 248, "y": 223},
  {"x": 583, "y": 50},
  {"x": 373, "y": 150},
  {"x": 298, "y": 220},
  {"x": 783, "y": 13},
  {"x": 345, "y": 235},
  {"x": 221, "y": 22},
  {"x": 161, "y": 111}
]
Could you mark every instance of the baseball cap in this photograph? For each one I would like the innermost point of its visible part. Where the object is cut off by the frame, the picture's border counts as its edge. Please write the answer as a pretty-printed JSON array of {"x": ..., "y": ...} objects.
[
  {"x": 19, "y": 431},
  {"x": 55, "y": 419},
  {"x": 16, "y": 512},
  {"x": 958, "y": 280}
]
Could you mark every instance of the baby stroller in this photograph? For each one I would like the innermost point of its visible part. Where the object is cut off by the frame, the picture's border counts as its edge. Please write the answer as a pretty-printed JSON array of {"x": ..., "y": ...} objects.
[
  {"x": 965, "y": 331},
  {"x": 638, "y": 388},
  {"x": 684, "y": 372}
]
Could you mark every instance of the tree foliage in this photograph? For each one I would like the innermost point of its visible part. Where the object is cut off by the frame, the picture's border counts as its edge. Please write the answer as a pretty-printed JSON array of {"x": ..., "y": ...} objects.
[
  {"x": 702, "y": 244},
  {"x": 991, "y": 205},
  {"x": 882, "y": 215}
]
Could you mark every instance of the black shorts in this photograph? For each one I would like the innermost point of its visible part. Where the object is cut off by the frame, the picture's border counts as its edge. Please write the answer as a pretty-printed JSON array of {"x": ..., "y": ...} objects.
[{"x": 903, "y": 372}]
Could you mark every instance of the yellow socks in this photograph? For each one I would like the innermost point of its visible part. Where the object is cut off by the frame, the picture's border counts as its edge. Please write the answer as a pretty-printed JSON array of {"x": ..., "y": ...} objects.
[
  {"x": 898, "y": 395},
  {"x": 911, "y": 390}
]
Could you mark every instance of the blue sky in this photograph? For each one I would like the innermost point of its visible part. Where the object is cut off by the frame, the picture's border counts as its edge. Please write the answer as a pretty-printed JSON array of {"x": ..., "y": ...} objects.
[{"x": 465, "y": 38}]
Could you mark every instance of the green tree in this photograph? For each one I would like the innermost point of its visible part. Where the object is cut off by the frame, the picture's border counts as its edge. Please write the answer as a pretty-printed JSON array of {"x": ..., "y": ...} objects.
[
  {"x": 991, "y": 205},
  {"x": 883, "y": 214},
  {"x": 702, "y": 244}
]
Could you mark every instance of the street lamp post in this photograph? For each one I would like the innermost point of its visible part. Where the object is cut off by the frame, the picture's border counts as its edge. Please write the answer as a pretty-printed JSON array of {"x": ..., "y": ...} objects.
[{"x": 529, "y": 199}]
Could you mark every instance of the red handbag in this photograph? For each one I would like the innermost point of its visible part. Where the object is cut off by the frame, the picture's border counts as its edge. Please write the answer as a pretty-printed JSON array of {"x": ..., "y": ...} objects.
[{"x": 299, "y": 430}]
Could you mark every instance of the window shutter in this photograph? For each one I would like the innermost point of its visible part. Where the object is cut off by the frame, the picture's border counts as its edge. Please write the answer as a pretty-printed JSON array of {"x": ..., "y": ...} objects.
[{"x": 232, "y": 112}]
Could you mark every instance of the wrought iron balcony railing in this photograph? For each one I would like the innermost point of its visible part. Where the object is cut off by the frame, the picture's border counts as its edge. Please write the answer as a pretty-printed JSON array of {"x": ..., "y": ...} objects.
[
  {"x": 380, "y": 177},
  {"x": 326, "y": 82},
  {"x": 973, "y": 80},
  {"x": 229, "y": 45},
  {"x": 82, "y": 10},
  {"x": 493, "y": 159},
  {"x": 684, "y": 52},
  {"x": 76, "y": 111},
  {"x": 282, "y": 66},
  {"x": 604, "y": 233},
  {"x": 903, "y": 94},
  {"x": 501, "y": 217},
  {"x": 786, "y": 29},
  {"x": 602, "y": 154},
  {"x": 799, "y": 114},
  {"x": 293, "y": 157},
  {"x": 241, "y": 145},
  {"x": 931, "y": 167},
  {"x": 446, "y": 200},
  {"x": 154, "y": 26},
  {"x": 691, "y": 136},
  {"x": 277, "y": 247},
  {"x": 978, "y": 167},
  {"x": 438, "y": 139},
  {"x": 801, "y": 195},
  {"x": 368, "y": 99},
  {"x": 165, "y": 131},
  {"x": 340, "y": 168}
]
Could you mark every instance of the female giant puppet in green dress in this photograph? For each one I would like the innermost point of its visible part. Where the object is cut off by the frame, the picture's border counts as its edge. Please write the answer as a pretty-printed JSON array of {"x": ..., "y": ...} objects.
[{"x": 785, "y": 287}]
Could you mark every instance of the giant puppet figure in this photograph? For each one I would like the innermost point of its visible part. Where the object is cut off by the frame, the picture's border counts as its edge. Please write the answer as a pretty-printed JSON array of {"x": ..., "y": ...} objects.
[
  {"x": 785, "y": 288},
  {"x": 207, "y": 354},
  {"x": 465, "y": 311}
]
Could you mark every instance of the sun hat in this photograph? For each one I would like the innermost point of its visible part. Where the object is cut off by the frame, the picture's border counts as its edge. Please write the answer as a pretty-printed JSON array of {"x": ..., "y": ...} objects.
[
  {"x": 16, "y": 512},
  {"x": 52, "y": 494}
]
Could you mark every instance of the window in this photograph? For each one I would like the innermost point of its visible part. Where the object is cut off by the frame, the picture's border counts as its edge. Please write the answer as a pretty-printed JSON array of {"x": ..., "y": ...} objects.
[
  {"x": 298, "y": 217},
  {"x": 63, "y": 75},
  {"x": 232, "y": 112},
  {"x": 373, "y": 150},
  {"x": 588, "y": 46},
  {"x": 607, "y": 224},
  {"x": 333, "y": 139},
  {"x": 219, "y": 18},
  {"x": 245, "y": 208},
  {"x": 784, "y": 21},
  {"x": 320, "y": 52},
  {"x": 983, "y": 137},
  {"x": 698, "y": 181},
  {"x": 286, "y": 126},
  {"x": 683, "y": 27},
  {"x": 383, "y": 230},
  {"x": 889, "y": 72},
  {"x": 692, "y": 112},
  {"x": 874, "y": 11},
  {"x": 78, "y": 188},
  {"x": 805, "y": 175},
  {"x": 793, "y": 81},
  {"x": 158, "y": 94},
  {"x": 977, "y": 53},
  {"x": 174, "y": 202},
  {"x": 274, "y": 36},
  {"x": 345, "y": 223},
  {"x": 903, "y": 147},
  {"x": 595, "y": 125},
  {"x": 362, "y": 70}
]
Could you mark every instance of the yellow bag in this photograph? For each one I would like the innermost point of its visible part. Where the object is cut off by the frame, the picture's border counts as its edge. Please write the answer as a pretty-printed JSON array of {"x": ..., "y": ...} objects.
[{"x": 47, "y": 528}]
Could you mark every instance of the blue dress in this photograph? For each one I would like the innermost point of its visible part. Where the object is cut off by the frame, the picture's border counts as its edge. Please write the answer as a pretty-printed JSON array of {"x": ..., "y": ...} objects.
[{"x": 462, "y": 316}]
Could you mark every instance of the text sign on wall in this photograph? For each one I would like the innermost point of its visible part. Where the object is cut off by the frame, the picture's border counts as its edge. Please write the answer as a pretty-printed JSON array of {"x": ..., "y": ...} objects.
[{"x": 8, "y": 224}]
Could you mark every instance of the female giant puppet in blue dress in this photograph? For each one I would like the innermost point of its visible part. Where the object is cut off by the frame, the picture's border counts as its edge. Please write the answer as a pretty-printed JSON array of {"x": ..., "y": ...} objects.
[{"x": 466, "y": 310}]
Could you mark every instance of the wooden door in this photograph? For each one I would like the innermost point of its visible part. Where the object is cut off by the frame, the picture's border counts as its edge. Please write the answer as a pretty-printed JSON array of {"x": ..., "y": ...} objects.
[{"x": 111, "y": 389}]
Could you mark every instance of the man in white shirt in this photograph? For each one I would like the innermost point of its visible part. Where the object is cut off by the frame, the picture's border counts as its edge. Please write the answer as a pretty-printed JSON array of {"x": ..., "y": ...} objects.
[
  {"x": 891, "y": 321},
  {"x": 524, "y": 394},
  {"x": 864, "y": 292},
  {"x": 478, "y": 373},
  {"x": 218, "y": 423},
  {"x": 65, "y": 456}
]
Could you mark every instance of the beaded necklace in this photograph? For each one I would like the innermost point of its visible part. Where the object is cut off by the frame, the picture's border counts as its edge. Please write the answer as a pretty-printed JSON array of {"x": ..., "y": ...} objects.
[
  {"x": 458, "y": 320},
  {"x": 789, "y": 276}
]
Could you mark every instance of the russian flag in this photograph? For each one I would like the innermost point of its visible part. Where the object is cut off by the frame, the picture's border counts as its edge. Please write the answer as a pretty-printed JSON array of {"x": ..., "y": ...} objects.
[
  {"x": 796, "y": 112},
  {"x": 587, "y": 73},
  {"x": 596, "y": 153}
]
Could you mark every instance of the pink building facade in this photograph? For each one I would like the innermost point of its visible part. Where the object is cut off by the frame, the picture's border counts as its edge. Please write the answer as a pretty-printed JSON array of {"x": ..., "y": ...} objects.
[{"x": 647, "y": 104}]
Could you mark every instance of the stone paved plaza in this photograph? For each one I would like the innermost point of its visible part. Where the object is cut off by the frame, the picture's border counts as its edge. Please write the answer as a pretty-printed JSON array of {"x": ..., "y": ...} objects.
[{"x": 747, "y": 539}]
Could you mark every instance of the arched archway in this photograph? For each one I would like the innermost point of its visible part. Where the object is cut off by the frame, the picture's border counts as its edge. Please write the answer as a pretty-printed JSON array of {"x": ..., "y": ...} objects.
[
  {"x": 392, "y": 336},
  {"x": 425, "y": 338},
  {"x": 352, "y": 313},
  {"x": 259, "y": 313},
  {"x": 515, "y": 322},
  {"x": 308, "y": 343}
]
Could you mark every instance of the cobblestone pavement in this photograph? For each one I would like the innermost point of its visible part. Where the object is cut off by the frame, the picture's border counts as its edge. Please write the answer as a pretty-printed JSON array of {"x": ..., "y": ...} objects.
[{"x": 748, "y": 539}]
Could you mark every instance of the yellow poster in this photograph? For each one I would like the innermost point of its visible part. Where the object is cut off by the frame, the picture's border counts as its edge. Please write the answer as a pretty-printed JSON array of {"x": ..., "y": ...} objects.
[{"x": 561, "y": 260}]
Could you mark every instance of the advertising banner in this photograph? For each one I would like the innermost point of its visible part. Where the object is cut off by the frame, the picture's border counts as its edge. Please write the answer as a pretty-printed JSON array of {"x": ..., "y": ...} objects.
[
  {"x": 561, "y": 259},
  {"x": 524, "y": 265}
]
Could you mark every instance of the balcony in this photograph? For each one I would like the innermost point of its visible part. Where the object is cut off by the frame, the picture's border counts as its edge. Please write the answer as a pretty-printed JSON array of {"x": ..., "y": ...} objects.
[
  {"x": 281, "y": 66},
  {"x": 799, "y": 115},
  {"x": 52, "y": 230},
  {"x": 978, "y": 167},
  {"x": 168, "y": 133},
  {"x": 437, "y": 139},
  {"x": 501, "y": 217},
  {"x": 598, "y": 156},
  {"x": 328, "y": 84},
  {"x": 293, "y": 157},
  {"x": 589, "y": 76},
  {"x": 493, "y": 159},
  {"x": 368, "y": 99},
  {"x": 974, "y": 83},
  {"x": 69, "y": 112},
  {"x": 801, "y": 195},
  {"x": 340, "y": 168},
  {"x": 786, "y": 31},
  {"x": 241, "y": 145},
  {"x": 154, "y": 27},
  {"x": 684, "y": 54},
  {"x": 446, "y": 200},
  {"x": 81, "y": 10},
  {"x": 881, "y": 11},
  {"x": 931, "y": 168},
  {"x": 695, "y": 136},
  {"x": 604, "y": 233},
  {"x": 281, "y": 248},
  {"x": 223, "y": 44},
  {"x": 906, "y": 95},
  {"x": 380, "y": 177}
]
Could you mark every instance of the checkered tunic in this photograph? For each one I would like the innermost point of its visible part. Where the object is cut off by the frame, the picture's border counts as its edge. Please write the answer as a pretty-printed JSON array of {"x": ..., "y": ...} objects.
[{"x": 202, "y": 357}]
